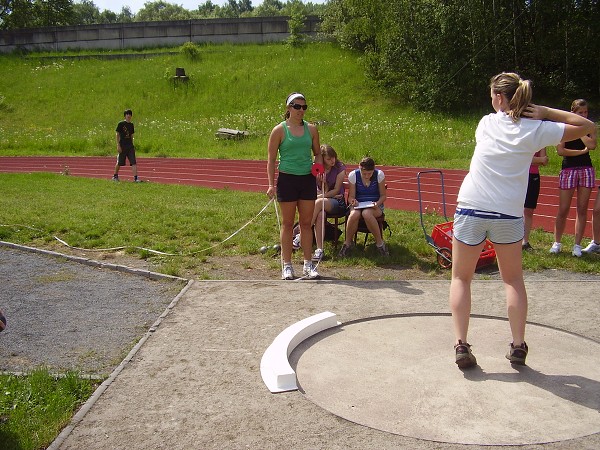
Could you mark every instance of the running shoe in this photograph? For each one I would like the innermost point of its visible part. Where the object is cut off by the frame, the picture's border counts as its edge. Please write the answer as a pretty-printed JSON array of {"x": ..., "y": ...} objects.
[
  {"x": 296, "y": 242},
  {"x": 577, "y": 251},
  {"x": 115, "y": 178},
  {"x": 464, "y": 357},
  {"x": 517, "y": 355},
  {"x": 318, "y": 255},
  {"x": 287, "y": 273},
  {"x": 527, "y": 247},
  {"x": 310, "y": 271},
  {"x": 556, "y": 248},
  {"x": 383, "y": 251},
  {"x": 592, "y": 248},
  {"x": 344, "y": 250}
]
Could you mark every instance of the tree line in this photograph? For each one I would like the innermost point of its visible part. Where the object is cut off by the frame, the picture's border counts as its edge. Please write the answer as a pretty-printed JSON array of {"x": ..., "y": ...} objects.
[
  {"x": 441, "y": 53},
  {"x": 15, "y": 14},
  {"x": 433, "y": 54}
]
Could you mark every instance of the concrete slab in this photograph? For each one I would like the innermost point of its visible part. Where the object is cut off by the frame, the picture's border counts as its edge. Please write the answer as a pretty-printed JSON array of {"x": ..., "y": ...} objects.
[
  {"x": 395, "y": 374},
  {"x": 196, "y": 382}
]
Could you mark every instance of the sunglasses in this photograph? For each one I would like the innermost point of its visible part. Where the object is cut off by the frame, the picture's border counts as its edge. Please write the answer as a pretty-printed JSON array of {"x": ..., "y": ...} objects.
[{"x": 297, "y": 106}]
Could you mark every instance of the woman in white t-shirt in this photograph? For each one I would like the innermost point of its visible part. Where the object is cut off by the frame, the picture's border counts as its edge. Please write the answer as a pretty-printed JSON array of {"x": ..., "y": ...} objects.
[{"x": 490, "y": 202}]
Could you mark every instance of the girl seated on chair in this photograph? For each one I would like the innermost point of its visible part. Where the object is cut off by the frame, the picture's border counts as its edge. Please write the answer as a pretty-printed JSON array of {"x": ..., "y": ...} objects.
[
  {"x": 332, "y": 197},
  {"x": 367, "y": 184}
]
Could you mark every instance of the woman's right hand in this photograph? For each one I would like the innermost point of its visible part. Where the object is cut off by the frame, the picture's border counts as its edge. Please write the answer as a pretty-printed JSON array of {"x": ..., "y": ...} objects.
[{"x": 271, "y": 191}]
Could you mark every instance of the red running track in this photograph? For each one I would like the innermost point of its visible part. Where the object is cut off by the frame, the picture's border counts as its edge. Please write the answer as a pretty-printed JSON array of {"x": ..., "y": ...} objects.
[{"x": 245, "y": 175}]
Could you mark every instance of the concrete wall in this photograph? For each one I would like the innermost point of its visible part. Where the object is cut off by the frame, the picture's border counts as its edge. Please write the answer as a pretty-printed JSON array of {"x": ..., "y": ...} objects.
[{"x": 152, "y": 34}]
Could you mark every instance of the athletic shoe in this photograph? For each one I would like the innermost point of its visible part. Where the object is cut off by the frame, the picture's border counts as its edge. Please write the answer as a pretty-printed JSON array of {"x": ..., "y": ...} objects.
[
  {"x": 577, "y": 250},
  {"x": 526, "y": 247},
  {"x": 517, "y": 355},
  {"x": 318, "y": 255},
  {"x": 592, "y": 248},
  {"x": 287, "y": 273},
  {"x": 115, "y": 178},
  {"x": 464, "y": 357},
  {"x": 137, "y": 180},
  {"x": 383, "y": 251},
  {"x": 310, "y": 271},
  {"x": 296, "y": 242},
  {"x": 556, "y": 248},
  {"x": 344, "y": 250}
]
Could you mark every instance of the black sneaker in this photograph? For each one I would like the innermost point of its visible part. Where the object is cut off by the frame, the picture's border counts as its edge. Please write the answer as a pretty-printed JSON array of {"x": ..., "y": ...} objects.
[
  {"x": 464, "y": 357},
  {"x": 527, "y": 247},
  {"x": 115, "y": 178},
  {"x": 517, "y": 355},
  {"x": 344, "y": 251}
]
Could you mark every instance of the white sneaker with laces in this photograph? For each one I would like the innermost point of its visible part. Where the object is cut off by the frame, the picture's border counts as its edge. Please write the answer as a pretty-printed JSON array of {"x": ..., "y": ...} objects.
[
  {"x": 556, "y": 247},
  {"x": 592, "y": 248},
  {"x": 296, "y": 242},
  {"x": 310, "y": 272},
  {"x": 577, "y": 250},
  {"x": 318, "y": 255},
  {"x": 287, "y": 273}
]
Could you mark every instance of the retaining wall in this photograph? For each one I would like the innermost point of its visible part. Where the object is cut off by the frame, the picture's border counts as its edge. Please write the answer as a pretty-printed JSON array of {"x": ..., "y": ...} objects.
[{"x": 152, "y": 34}]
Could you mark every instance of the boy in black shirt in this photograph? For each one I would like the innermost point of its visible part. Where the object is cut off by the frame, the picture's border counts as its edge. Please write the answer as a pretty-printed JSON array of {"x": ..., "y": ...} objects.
[{"x": 125, "y": 147}]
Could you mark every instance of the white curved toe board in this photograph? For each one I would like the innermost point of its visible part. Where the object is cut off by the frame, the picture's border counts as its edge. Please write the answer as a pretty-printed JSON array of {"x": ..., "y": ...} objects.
[{"x": 275, "y": 367}]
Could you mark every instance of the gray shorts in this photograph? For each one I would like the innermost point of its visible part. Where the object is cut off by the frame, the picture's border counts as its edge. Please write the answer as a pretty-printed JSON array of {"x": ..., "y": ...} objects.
[
  {"x": 338, "y": 206},
  {"x": 472, "y": 227}
]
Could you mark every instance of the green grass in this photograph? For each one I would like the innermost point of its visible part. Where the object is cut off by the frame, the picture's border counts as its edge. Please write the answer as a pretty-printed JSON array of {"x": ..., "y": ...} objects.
[
  {"x": 191, "y": 223},
  {"x": 35, "y": 407},
  {"x": 70, "y": 107}
]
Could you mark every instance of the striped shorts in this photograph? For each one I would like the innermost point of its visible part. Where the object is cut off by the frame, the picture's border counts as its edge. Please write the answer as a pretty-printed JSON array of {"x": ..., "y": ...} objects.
[
  {"x": 577, "y": 176},
  {"x": 473, "y": 226}
]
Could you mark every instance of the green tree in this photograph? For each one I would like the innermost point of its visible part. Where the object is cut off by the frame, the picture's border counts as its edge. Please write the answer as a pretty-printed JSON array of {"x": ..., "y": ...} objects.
[
  {"x": 86, "y": 12},
  {"x": 268, "y": 8},
  {"x": 441, "y": 53},
  {"x": 16, "y": 14},
  {"x": 160, "y": 10},
  {"x": 52, "y": 13}
]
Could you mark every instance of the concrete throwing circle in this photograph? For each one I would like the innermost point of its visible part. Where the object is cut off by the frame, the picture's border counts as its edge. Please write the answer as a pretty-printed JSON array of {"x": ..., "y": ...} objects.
[{"x": 397, "y": 374}]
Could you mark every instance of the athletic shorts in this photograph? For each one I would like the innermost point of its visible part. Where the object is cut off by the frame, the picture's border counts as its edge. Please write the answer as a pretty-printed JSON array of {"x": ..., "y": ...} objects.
[
  {"x": 291, "y": 188},
  {"x": 338, "y": 206},
  {"x": 472, "y": 227},
  {"x": 128, "y": 153},
  {"x": 533, "y": 191},
  {"x": 574, "y": 177}
]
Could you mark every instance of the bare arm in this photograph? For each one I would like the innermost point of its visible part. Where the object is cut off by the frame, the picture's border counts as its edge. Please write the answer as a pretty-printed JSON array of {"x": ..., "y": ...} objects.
[
  {"x": 590, "y": 140},
  {"x": 563, "y": 151},
  {"x": 382, "y": 193},
  {"x": 335, "y": 191},
  {"x": 273, "y": 146},
  {"x": 352, "y": 194},
  {"x": 542, "y": 159},
  {"x": 118, "y": 138},
  {"x": 316, "y": 143},
  {"x": 576, "y": 126}
]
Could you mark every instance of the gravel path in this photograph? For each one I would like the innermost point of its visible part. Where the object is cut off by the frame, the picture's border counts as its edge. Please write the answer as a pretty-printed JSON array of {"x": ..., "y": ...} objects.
[{"x": 66, "y": 315}]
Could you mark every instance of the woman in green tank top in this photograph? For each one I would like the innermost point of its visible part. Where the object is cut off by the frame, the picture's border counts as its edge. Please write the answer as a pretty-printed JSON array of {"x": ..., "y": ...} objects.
[{"x": 297, "y": 144}]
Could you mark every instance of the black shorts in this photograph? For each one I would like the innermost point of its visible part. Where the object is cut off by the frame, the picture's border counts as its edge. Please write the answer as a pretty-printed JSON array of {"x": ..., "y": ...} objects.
[
  {"x": 533, "y": 191},
  {"x": 291, "y": 188},
  {"x": 128, "y": 153}
]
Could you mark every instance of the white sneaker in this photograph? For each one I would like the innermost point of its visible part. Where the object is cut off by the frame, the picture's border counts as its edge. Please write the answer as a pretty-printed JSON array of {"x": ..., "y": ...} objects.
[
  {"x": 310, "y": 272},
  {"x": 556, "y": 247},
  {"x": 591, "y": 248},
  {"x": 296, "y": 242},
  {"x": 577, "y": 250},
  {"x": 318, "y": 254},
  {"x": 287, "y": 273}
]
